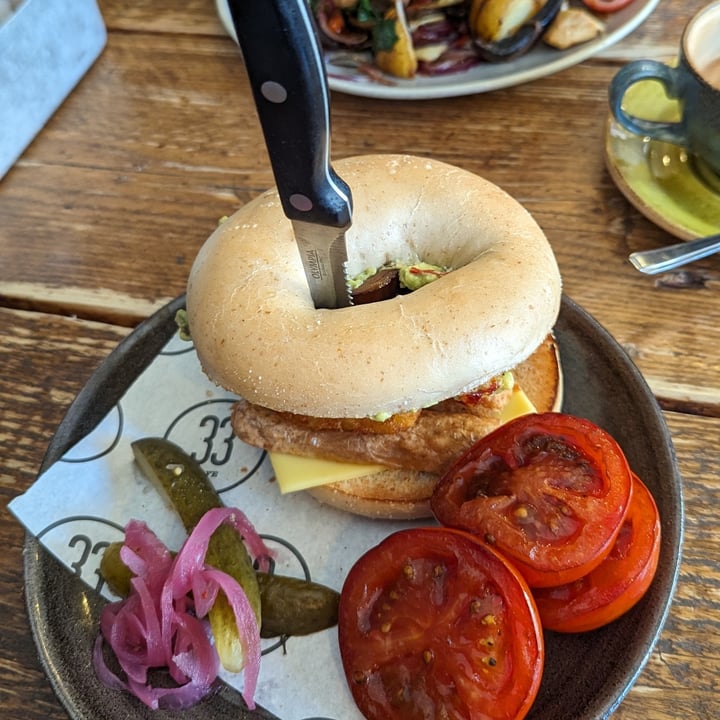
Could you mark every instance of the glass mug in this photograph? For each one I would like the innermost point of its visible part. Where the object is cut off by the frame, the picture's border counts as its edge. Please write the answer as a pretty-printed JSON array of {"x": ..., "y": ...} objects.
[{"x": 694, "y": 82}]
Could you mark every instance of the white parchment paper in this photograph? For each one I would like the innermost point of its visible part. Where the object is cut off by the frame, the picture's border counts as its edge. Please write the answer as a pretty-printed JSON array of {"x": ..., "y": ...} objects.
[{"x": 82, "y": 503}]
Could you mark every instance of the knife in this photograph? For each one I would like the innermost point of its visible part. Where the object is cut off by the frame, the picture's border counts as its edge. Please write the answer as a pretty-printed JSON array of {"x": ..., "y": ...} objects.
[{"x": 284, "y": 63}]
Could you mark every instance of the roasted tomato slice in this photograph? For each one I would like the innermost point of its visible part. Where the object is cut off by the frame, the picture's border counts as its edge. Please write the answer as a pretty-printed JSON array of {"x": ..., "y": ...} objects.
[
  {"x": 549, "y": 490},
  {"x": 620, "y": 580},
  {"x": 434, "y": 623}
]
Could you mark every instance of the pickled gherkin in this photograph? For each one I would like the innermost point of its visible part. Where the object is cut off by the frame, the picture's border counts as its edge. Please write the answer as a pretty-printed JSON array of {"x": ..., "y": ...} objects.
[
  {"x": 290, "y": 605},
  {"x": 181, "y": 479},
  {"x": 114, "y": 571},
  {"x": 283, "y": 605}
]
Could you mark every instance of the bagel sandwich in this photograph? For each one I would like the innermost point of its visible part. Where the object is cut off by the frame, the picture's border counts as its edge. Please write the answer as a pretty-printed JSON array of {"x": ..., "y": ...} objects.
[{"x": 365, "y": 406}]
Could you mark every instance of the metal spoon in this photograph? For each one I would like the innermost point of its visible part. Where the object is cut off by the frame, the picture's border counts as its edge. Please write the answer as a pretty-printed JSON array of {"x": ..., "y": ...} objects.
[{"x": 670, "y": 257}]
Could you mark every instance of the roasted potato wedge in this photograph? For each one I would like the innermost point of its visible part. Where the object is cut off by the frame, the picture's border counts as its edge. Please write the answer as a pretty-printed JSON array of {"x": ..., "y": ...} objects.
[
  {"x": 495, "y": 20},
  {"x": 400, "y": 61},
  {"x": 572, "y": 26}
]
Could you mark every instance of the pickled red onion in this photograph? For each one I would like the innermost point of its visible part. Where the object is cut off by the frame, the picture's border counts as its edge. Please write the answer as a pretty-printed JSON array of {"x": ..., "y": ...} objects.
[{"x": 159, "y": 625}]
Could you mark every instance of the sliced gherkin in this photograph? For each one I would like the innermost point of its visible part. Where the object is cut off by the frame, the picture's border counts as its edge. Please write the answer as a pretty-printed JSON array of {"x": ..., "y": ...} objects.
[
  {"x": 283, "y": 605},
  {"x": 181, "y": 479},
  {"x": 290, "y": 605}
]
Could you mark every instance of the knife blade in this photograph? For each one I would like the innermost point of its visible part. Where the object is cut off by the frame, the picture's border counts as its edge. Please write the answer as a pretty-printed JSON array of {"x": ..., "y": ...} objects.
[{"x": 284, "y": 64}]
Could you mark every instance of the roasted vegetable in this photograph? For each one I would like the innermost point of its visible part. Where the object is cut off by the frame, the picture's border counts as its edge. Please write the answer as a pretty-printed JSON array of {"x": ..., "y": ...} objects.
[
  {"x": 496, "y": 20},
  {"x": 508, "y": 44},
  {"x": 572, "y": 26},
  {"x": 400, "y": 59},
  {"x": 333, "y": 21},
  {"x": 437, "y": 37},
  {"x": 290, "y": 606}
]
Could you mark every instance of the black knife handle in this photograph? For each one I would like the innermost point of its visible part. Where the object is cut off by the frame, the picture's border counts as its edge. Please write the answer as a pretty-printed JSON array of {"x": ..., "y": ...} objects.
[{"x": 284, "y": 64}]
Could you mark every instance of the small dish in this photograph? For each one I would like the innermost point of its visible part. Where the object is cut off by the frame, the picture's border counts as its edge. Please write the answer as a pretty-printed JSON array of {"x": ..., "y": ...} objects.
[
  {"x": 345, "y": 76},
  {"x": 673, "y": 190}
]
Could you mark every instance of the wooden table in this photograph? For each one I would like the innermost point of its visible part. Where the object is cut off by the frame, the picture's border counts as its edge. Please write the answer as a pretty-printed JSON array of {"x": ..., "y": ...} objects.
[{"x": 103, "y": 214}]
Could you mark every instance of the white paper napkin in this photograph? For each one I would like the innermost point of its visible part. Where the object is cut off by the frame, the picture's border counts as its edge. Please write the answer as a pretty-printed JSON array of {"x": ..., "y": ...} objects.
[{"x": 82, "y": 503}]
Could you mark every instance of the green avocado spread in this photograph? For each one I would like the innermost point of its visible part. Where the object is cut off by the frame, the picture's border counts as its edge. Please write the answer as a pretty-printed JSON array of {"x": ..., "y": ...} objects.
[{"x": 412, "y": 276}]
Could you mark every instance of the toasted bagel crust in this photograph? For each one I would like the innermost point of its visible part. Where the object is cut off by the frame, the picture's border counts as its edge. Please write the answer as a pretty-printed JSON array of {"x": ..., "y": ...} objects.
[
  {"x": 392, "y": 494},
  {"x": 258, "y": 334}
]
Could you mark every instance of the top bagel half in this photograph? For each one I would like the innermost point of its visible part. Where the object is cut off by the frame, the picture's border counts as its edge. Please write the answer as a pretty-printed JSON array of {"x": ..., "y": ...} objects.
[{"x": 258, "y": 334}]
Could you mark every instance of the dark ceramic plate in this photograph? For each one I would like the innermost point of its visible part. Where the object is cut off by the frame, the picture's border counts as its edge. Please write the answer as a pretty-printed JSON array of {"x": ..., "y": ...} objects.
[{"x": 586, "y": 676}]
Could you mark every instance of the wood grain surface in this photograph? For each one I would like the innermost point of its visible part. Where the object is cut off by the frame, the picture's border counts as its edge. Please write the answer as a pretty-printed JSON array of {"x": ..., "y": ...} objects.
[{"x": 103, "y": 214}]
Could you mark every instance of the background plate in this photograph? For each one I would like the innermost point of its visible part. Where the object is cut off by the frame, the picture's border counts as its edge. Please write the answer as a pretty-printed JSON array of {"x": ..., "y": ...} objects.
[
  {"x": 539, "y": 62},
  {"x": 586, "y": 676}
]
